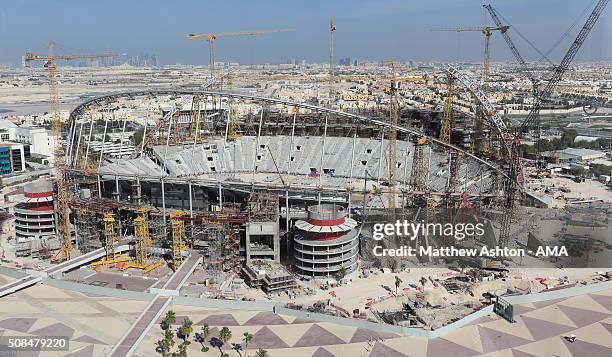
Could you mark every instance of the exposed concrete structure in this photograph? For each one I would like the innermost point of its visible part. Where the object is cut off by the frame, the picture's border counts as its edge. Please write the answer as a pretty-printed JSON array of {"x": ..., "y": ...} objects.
[
  {"x": 262, "y": 241},
  {"x": 270, "y": 276}
]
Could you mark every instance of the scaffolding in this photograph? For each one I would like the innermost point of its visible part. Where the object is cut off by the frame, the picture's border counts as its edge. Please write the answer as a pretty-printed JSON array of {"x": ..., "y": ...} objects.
[
  {"x": 109, "y": 236},
  {"x": 178, "y": 237},
  {"x": 419, "y": 165},
  {"x": 446, "y": 132},
  {"x": 262, "y": 207},
  {"x": 141, "y": 237}
]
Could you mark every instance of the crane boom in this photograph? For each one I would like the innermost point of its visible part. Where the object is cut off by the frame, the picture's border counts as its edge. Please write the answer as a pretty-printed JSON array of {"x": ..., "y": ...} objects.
[
  {"x": 559, "y": 70},
  {"x": 515, "y": 174},
  {"x": 63, "y": 218},
  {"x": 235, "y": 33},
  {"x": 211, "y": 37},
  {"x": 511, "y": 45}
]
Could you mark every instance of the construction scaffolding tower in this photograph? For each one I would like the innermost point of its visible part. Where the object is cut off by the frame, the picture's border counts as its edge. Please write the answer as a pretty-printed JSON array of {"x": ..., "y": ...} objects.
[
  {"x": 178, "y": 237},
  {"x": 194, "y": 128},
  {"x": 176, "y": 134},
  {"x": 262, "y": 207},
  {"x": 419, "y": 165},
  {"x": 141, "y": 237},
  {"x": 109, "y": 235},
  {"x": 446, "y": 131}
]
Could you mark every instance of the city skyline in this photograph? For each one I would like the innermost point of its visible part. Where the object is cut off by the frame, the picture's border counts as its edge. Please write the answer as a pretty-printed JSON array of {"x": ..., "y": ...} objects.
[{"x": 405, "y": 26}]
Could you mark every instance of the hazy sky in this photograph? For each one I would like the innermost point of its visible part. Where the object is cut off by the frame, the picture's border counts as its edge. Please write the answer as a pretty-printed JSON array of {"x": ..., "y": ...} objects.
[{"x": 383, "y": 29}]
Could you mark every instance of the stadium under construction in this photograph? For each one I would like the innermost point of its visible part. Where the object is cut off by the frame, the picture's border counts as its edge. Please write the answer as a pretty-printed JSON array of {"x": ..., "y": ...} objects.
[{"x": 232, "y": 184}]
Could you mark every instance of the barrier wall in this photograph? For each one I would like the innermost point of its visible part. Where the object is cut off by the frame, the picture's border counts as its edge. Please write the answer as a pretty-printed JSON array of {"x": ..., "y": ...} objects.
[
  {"x": 13, "y": 273},
  {"x": 559, "y": 294},
  {"x": 224, "y": 304}
]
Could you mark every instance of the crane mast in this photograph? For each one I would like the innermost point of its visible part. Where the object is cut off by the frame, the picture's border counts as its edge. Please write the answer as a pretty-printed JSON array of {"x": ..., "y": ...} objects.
[
  {"x": 515, "y": 176},
  {"x": 63, "y": 218},
  {"x": 212, "y": 37},
  {"x": 332, "y": 29}
]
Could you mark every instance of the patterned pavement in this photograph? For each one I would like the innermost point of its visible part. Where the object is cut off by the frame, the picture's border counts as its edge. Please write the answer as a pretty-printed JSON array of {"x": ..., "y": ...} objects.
[{"x": 95, "y": 323}]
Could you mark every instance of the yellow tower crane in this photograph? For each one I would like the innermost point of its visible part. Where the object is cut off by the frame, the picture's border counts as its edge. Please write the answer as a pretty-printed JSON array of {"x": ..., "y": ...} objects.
[
  {"x": 477, "y": 142},
  {"x": 178, "y": 237},
  {"x": 446, "y": 131},
  {"x": 63, "y": 221},
  {"x": 212, "y": 37}
]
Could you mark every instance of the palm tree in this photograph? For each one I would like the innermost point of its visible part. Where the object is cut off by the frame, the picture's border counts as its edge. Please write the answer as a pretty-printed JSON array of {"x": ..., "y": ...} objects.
[
  {"x": 186, "y": 329},
  {"x": 398, "y": 281},
  {"x": 201, "y": 337},
  {"x": 170, "y": 318},
  {"x": 261, "y": 353},
  {"x": 225, "y": 334},
  {"x": 166, "y": 344},
  {"x": 248, "y": 337},
  {"x": 423, "y": 281},
  {"x": 182, "y": 349}
]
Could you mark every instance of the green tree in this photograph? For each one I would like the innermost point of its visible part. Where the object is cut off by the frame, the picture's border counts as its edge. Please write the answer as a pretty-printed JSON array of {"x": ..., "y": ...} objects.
[
  {"x": 423, "y": 282},
  {"x": 170, "y": 318},
  {"x": 186, "y": 329},
  {"x": 182, "y": 349},
  {"x": 165, "y": 345},
  {"x": 202, "y": 336},
  {"x": 248, "y": 337},
  {"x": 225, "y": 335},
  {"x": 261, "y": 353},
  {"x": 398, "y": 281}
]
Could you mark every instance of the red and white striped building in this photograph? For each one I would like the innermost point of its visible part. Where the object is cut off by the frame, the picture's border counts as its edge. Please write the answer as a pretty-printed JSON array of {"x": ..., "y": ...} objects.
[
  {"x": 35, "y": 217},
  {"x": 327, "y": 242}
]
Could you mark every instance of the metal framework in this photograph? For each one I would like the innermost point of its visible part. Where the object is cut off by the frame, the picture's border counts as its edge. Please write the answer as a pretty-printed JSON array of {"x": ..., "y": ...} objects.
[
  {"x": 473, "y": 87},
  {"x": 178, "y": 237},
  {"x": 109, "y": 236},
  {"x": 446, "y": 131}
]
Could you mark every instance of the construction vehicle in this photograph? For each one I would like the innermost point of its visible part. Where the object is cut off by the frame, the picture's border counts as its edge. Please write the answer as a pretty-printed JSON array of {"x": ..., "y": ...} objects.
[
  {"x": 63, "y": 220},
  {"x": 515, "y": 173}
]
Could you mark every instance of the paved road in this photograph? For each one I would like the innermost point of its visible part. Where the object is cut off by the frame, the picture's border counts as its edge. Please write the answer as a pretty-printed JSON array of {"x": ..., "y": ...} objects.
[
  {"x": 19, "y": 284},
  {"x": 81, "y": 260},
  {"x": 180, "y": 276},
  {"x": 139, "y": 329},
  {"x": 141, "y": 326}
]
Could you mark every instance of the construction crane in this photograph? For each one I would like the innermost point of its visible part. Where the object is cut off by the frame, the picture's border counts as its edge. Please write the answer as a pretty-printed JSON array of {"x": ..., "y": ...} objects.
[
  {"x": 515, "y": 173},
  {"x": 392, "y": 150},
  {"x": 63, "y": 220},
  {"x": 477, "y": 142},
  {"x": 212, "y": 37},
  {"x": 512, "y": 47},
  {"x": 446, "y": 131},
  {"x": 332, "y": 29},
  {"x": 276, "y": 167}
]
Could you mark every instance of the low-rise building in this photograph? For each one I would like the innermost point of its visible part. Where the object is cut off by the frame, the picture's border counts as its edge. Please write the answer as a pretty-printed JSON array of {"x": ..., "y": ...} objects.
[{"x": 267, "y": 275}]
